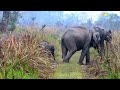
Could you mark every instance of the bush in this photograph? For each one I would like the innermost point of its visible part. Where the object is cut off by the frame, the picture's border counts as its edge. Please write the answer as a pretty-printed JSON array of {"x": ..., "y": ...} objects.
[
  {"x": 107, "y": 67},
  {"x": 22, "y": 58}
]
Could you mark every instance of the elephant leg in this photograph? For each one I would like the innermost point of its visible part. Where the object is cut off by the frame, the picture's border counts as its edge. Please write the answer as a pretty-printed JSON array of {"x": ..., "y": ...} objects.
[
  {"x": 67, "y": 58},
  {"x": 88, "y": 57},
  {"x": 53, "y": 55},
  {"x": 103, "y": 51},
  {"x": 64, "y": 52},
  {"x": 83, "y": 53},
  {"x": 102, "y": 48}
]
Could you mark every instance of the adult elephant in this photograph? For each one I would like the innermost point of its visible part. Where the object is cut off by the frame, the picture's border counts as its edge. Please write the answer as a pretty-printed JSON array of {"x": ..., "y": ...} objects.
[
  {"x": 105, "y": 36},
  {"x": 76, "y": 39}
]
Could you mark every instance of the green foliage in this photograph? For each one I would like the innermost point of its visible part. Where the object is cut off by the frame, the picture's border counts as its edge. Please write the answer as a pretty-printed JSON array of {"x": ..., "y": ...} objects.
[
  {"x": 13, "y": 20},
  {"x": 17, "y": 61},
  {"x": 23, "y": 58},
  {"x": 93, "y": 53},
  {"x": 19, "y": 71},
  {"x": 111, "y": 21}
]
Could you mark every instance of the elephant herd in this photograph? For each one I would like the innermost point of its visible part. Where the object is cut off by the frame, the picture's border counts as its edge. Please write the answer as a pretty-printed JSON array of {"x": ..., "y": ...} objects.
[{"x": 79, "y": 38}]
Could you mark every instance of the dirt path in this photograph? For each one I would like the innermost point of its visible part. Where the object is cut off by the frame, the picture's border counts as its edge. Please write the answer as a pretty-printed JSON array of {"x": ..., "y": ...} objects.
[
  {"x": 70, "y": 70},
  {"x": 73, "y": 70}
]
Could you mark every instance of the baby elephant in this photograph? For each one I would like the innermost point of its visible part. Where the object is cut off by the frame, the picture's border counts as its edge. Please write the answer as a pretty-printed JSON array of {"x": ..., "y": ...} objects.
[{"x": 47, "y": 46}]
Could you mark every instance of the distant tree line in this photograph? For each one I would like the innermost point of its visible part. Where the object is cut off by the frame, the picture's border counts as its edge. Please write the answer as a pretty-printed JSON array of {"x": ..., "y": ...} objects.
[
  {"x": 11, "y": 18},
  {"x": 110, "y": 21}
]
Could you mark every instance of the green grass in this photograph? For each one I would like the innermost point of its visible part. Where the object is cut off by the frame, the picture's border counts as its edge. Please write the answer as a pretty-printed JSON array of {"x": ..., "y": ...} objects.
[
  {"x": 19, "y": 72},
  {"x": 70, "y": 70},
  {"x": 93, "y": 53}
]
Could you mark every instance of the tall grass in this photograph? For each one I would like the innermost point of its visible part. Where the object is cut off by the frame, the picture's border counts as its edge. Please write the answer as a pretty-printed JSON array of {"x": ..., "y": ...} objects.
[
  {"x": 107, "y": 67},
  {"x": 22, "y": 58},
  {"x": 112, "y": 59}
]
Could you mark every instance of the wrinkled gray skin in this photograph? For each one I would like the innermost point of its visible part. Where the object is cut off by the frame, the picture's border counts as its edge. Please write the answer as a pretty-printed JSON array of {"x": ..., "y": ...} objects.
[
  {"x": 76, "y": 39},
  {"x": 105, "y": 36},
  {"x": 49, "y": 47}
]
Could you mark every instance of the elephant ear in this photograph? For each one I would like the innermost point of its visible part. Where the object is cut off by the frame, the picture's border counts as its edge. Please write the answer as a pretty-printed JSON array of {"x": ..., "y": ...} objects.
[
  {"x": 102, "y": 29},
  {"x": 96, "y": 37},
  {"x": 96, "y": 28},
  {"x": 108, "y": 36},
  {"x": 110, "y": 31}
]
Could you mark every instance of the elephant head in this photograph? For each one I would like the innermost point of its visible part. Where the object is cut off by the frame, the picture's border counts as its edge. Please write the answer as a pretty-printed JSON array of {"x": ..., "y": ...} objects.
[
  {"x": 97, "y": 29},
  {"x": 96, "y": 39},
  {"x": 105, "y": 35},
  {"x": 108, "y": 36},
  {"x": 44, "y": 44}
]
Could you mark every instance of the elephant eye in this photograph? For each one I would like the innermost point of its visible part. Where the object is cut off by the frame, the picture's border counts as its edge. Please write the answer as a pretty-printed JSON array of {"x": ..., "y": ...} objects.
[{"x": 97, "y": 36}]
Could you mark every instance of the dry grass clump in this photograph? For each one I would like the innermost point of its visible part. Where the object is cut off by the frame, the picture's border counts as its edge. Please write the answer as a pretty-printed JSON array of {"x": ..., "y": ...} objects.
[
  {"x": 109, "y": 65},
  {"x": 20, "y": 49}
]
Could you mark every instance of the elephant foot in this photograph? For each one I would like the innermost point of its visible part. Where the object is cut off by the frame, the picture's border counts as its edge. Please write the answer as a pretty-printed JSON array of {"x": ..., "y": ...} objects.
[
  {"x": 80, "y": 63},
  {"x": 65, "y": 61},
  {"x": 87, "y": 63}
]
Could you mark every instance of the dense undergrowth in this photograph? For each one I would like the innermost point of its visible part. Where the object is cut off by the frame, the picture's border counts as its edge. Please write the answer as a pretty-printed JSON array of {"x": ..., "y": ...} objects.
[
  {"x": 107, "y": 67},
  {"x": 21, "y": 58}
]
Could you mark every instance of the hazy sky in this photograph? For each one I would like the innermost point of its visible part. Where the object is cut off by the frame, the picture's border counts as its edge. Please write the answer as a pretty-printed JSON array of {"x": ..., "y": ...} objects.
[
  {"x": 83, "y": 15},
  {"x": 92, "y": 14}
]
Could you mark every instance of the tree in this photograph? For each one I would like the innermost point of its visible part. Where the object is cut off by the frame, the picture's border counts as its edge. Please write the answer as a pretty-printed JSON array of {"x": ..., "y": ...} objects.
[
  {"x": 14, "y": 15},
  {"x": 5, "y": 20},
  {"x": 71, "y": 20},
  {"x": 109, "y": 21},
  {"x": 9, "y": 20},
  {"x": 88, "y": 24}
]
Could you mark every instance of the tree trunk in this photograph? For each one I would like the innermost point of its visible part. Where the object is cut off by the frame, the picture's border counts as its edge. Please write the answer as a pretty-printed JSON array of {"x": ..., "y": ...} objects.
[{"x": 5, "y": 20}]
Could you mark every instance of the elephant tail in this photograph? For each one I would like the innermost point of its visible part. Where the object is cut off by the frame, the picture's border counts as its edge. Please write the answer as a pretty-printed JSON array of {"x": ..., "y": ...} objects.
[
  {"x": 62, "y": 43},
  {"x": 64, "y": 48},
  {"x": 62, "y": 40}
]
